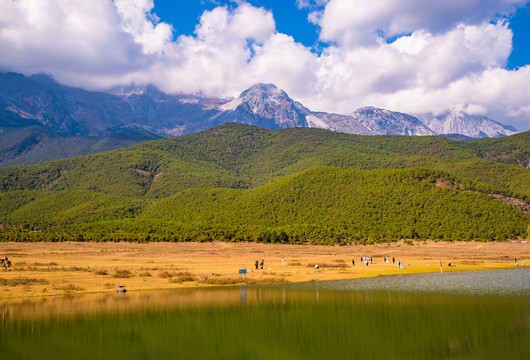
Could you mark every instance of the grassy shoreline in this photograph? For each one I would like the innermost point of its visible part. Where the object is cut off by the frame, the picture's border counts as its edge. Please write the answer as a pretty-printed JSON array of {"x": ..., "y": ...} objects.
[{"x": 54, "y": 269}]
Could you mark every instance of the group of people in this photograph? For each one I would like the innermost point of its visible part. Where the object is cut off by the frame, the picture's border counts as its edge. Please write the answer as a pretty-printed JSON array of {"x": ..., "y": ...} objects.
[
  {"x": 370, "y": 260},
  {"x": 364, "y": 259},
  {"x": 516, "y": 263},
  {"x": 259, "y": 264}
]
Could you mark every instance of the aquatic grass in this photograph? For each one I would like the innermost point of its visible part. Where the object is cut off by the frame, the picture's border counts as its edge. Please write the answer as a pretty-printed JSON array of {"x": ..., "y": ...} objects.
[
  {"x": 235, "y": 280},
  {"x": 166, "y": 274},
  {"x": 76, "y": 268},
  {"x": 22, "y": 280},
  {"x": 69, "y": 288},
  {"x": 182, "y": 277},
  {"x": 122, "y": 274},
  {"x": 52, "y": 263},
  {"x": 177, "y": 277}
]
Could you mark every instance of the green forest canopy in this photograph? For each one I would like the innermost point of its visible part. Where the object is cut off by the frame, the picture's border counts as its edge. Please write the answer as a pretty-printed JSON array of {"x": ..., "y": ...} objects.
[{"x": 243, "y": 183}]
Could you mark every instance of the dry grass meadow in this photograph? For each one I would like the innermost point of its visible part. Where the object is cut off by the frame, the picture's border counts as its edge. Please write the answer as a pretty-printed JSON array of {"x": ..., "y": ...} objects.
[{"x": 47, "y": 269}]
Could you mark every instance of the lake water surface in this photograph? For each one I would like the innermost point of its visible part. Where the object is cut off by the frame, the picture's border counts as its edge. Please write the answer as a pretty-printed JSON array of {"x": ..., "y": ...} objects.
[{"x": 460, "y": 315}]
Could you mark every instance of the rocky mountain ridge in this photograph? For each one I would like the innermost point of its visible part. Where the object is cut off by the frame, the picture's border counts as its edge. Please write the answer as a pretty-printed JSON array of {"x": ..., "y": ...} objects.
[
  {"x": 75, "y": 112},
  {"x": 458, "y": 122},
  {"x": 264, "y": 105},
  {"x": 386, "y": 122}
]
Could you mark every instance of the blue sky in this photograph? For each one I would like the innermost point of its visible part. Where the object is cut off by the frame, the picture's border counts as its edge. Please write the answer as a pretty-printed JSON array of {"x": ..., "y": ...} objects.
[
  {"x": 290, "y": 19},
  {"x": 520, "y": 25},
  {"x": 293, "y": 20},
  {"x": 413, "y": 56}
]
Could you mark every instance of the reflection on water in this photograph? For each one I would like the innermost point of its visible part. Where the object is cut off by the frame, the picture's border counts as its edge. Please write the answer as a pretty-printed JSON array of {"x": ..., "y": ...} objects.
[{"x": 371, "y": 318}]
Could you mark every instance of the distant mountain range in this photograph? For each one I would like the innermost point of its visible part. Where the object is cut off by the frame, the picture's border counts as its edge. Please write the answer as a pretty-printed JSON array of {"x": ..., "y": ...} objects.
[{"x": 59, "y": 111}]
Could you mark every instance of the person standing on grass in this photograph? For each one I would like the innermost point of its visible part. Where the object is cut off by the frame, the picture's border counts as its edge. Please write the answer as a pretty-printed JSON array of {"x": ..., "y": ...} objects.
[
  {"x": 256, "y": 264},
  {"x": 353, "y": 262},
  {"x": 283, "y": 261},
  {"x": 262, "y": 263}
]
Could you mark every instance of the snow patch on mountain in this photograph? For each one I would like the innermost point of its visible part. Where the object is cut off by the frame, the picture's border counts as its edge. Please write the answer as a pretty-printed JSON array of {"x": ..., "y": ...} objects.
[
  {"x": 231, "y": 105},
  {"x": 314, "y": 122}
]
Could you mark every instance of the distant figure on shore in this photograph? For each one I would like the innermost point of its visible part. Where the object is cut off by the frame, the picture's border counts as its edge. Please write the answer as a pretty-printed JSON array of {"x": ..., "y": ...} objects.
[
  {"x": 516, "y": 263},
  {"x": 353, "y": 262},
  {"x": 6, "y": 262},
  {"x": 393, "y": 260},
  {"x": 262, "y": 263},
  {"x": 283, "y": 261},
  {"x": 256, "y": 264}
]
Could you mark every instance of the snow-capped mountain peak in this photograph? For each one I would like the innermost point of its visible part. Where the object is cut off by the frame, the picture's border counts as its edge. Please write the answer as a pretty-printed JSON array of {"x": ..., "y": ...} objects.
[
  {"x": 257, "y": 95},
  {"x": 76, "y": 112},
  {"x": 265, "y": 103},
  {"x": 458, "y": 122},
  {"x": 386, "y": 122}
]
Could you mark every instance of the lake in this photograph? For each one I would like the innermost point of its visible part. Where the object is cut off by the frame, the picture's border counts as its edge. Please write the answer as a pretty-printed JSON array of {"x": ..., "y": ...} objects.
[{"x": 458, "y": 315}]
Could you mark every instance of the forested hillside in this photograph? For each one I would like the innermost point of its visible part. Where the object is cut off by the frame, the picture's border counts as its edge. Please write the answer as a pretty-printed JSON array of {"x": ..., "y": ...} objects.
[
  {"x": 37, "y": 144},
  {"x": 238, "y": 182}
]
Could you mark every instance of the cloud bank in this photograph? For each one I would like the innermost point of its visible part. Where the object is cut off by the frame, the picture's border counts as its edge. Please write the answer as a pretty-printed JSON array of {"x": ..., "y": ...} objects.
[{"x": 405, "y": 55}]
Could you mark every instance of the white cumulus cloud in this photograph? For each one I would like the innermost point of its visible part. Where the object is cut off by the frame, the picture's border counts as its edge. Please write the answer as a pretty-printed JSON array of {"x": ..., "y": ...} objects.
[
  {"x": 74, "y": 40},
  {"x": 405, "y": 55},
  {"x": 360, "y": 22},
  {"x": 137, "y": 20}
]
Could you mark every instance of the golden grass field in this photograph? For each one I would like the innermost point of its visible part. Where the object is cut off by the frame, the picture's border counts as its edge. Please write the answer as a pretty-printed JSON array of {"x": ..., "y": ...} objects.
[{"x": 46, "y": 269}]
